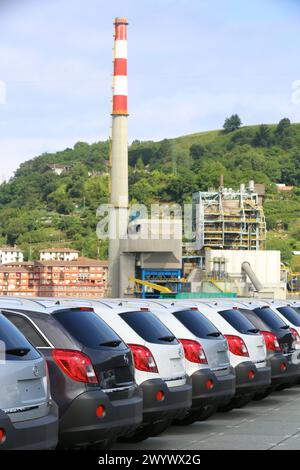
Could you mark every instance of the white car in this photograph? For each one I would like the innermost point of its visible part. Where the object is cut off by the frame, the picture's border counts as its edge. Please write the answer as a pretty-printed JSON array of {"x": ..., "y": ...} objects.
[
  {"x": 159, "y": 363},
  {"x": 247, "y": 348},
  {"x": 206, "y": 355}
]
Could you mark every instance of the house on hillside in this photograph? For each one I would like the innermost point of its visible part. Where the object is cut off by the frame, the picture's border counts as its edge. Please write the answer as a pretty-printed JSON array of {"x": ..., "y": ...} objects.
[
  {"x": 58, "y": 254},
  {"x": 58, "y": 168},
  {"x": 10, "y": 254}
]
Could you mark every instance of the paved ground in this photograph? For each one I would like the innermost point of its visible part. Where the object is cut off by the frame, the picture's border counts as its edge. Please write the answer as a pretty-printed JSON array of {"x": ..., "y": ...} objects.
[{"x": 273, "y": 423}]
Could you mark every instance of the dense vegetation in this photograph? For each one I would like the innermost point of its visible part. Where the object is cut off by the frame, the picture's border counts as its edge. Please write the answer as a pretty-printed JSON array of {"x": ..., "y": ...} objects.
[{"x": 39, "y": 208}]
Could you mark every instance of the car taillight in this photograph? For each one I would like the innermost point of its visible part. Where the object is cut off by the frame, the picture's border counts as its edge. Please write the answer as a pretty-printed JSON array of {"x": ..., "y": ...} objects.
[
  {"x": 295, "y": 334},
  {"x": 193, "y": 351},
  {"x": 143, "y": 359},
  {"x": 237, "y": 346},
  {"x": 2, "y": 436},
  {"x": 271, "y": 341},
  {"x": 76, "y": 365}
]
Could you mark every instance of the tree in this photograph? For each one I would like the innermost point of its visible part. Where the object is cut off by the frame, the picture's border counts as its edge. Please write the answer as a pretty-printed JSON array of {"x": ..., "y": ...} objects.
[
  {"x": 140, "y": 164},
  {"x": 232, "y": 123},
  {"x": 197, "y": 151},
  {"x": 263, "y": 136},
  {"x": 282, "y": 126},
  {"x": 165, "y": 150}
]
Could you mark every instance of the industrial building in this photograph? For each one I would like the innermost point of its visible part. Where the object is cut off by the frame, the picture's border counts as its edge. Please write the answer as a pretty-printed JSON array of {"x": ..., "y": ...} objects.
[{"x": 229, "y": 219}]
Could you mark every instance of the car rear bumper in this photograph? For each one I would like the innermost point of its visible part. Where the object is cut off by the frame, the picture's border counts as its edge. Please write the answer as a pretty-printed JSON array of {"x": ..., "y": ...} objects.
[
  {"x": 222, "y": 391},
  {"x": 283, "y": 376},
  {"x": 33, "y": 434},
  {"x": 80, "y": 426},
  {"x": 246, "y": 385},
  {"x": 176, "y": 402}
]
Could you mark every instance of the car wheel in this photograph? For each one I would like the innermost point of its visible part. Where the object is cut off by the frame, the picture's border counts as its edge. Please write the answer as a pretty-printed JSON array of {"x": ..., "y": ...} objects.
[
  {"x": 105, "y": 445},
  {"x": 282, "y": 387},
  {"x": 145, "y": 432},
  {"x": 236, "y": 402},
  {"x": 242, "y": 401},
  {"x": 262, "y": 395},
  {"x": 196, "y": 415}
]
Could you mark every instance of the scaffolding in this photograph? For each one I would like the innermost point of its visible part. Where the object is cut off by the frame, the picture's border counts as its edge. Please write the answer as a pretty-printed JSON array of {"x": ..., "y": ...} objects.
[{"x": 229, "y": 219}]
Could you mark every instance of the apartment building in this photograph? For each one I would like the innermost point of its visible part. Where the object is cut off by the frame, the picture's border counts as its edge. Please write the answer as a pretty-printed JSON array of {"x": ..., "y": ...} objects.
[{"x": 81, "y": 277}]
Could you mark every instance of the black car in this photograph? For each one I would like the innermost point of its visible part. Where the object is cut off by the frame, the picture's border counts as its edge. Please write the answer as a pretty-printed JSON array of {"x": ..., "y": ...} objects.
[
  {"x": 91, "y": 372},
  {"x": 279, "y": 342}
]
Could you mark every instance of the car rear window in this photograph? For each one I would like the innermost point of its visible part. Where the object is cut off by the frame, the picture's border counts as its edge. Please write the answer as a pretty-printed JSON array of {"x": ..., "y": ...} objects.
[
  {"x": 238, "y": 321},
  {"x": 268, "y": 316},
  {"x": 86, "y": 327},
  {"x": 197, "y": 323},
  {"x": 257, "y": 322},
  {"x": 149, "y": 327},
  {"x": 13, "y": 345},
  {"x": 290, "y": 314}
]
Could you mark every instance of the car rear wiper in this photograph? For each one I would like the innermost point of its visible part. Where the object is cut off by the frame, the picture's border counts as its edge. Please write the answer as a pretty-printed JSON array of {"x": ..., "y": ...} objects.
[
  {"x": 18, "y": 351},
  {"x": 253, "y": 330},
  {"x": 285, "y": 327},
  {"x": 215, "y": 334},
  {"x": 169, "y": 339},
  {"x": 111, "y": 344}
]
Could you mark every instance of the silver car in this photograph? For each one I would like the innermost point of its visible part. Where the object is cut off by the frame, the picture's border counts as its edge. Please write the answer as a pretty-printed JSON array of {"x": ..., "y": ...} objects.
[{"x": 28, "y": 417}]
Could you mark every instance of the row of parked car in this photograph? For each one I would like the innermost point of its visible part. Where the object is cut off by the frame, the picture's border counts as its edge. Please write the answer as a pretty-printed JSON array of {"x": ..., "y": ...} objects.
[{"x": 128, "y": 368}]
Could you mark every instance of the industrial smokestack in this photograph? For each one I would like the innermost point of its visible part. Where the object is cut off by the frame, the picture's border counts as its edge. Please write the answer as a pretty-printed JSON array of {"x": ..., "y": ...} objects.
[{"x": 119, "y": 156}]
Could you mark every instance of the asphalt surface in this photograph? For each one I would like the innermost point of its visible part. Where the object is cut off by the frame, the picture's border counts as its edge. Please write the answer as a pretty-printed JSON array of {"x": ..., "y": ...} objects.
[{"x": 272, "y": 423}]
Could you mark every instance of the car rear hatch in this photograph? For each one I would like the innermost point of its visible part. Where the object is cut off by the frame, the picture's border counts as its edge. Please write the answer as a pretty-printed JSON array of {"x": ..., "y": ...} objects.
[
  {"x": 110, "y": 356},
  {"x": 24, "y": 391},
  {"x": 165, "y": 348},
  {"x": 250, "y": 334},
  {"x": 211, "y": 339},
  {"x": 278, "y": 327}
]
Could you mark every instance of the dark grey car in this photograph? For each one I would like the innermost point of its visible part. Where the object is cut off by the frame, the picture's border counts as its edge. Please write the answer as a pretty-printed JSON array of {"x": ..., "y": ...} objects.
[{"x": 28, "y": 416}]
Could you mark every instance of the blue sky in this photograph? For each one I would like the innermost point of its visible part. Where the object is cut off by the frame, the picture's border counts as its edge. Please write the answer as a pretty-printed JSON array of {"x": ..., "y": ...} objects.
[{"x": 191, "y": 64}]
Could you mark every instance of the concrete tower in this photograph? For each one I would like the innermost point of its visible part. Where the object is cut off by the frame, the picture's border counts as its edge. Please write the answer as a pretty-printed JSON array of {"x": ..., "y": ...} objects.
[{"x": 119, "y": 156}]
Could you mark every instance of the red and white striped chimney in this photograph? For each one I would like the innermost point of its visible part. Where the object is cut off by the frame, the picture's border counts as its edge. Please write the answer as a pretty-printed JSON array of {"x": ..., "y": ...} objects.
[
  {"x": 119, "y": 157},
  {"x": 120, "y": 68}
]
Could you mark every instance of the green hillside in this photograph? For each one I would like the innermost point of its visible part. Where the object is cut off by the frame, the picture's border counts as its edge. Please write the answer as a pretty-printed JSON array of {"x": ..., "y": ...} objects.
[{"x": 40, "y": 208}]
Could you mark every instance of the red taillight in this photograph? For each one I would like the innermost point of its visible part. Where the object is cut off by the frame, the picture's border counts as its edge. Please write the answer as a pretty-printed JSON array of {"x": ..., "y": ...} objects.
[
  {"x": 295, "y": 334},
  {"x": 2, "y": 436},
  {"x": 143, "y": 359},
  {"x": 271, "y": 341},
  {"x": 76, "y": 365},
  {"x": 193, "y": 351},
  {"x": 237, "y": 346},
  {"x": 251, "y": 374}
]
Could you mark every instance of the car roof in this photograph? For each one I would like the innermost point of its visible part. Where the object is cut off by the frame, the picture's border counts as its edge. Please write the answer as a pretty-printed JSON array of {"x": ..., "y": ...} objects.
[
  {"x": 153, "y": 303},
  {"x": 49, "y": 306}
]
